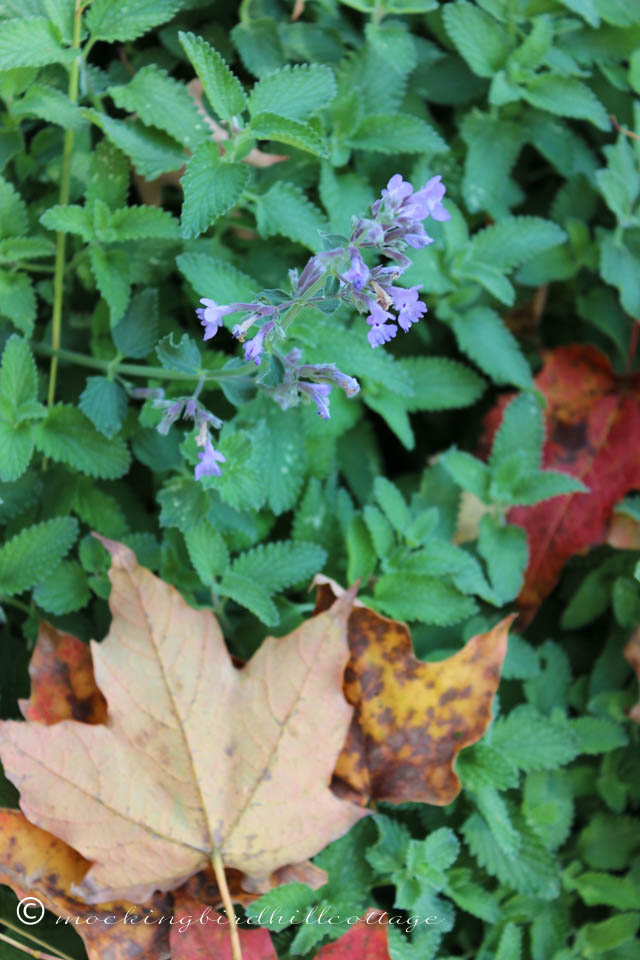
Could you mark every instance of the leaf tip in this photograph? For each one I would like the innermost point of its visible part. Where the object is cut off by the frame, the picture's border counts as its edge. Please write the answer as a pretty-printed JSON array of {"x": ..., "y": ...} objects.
[{"x": 122, "y": 557}]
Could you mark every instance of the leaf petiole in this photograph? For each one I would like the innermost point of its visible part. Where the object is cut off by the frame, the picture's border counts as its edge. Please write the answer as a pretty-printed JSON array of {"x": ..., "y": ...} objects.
[
  {"x": 38, "y": 954},
  {"x": 223, "y": 887}
]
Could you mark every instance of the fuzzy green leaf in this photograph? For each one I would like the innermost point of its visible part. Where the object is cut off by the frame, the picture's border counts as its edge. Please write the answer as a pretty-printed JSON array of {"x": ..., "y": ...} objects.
[
  {"x": 223, "y": 90},
  {"x": 208, "y": 551},
  {"x": 69, "y": 218},
  {"x": 441, "y": 384},
  {"x": 302, "y": 136},
  {"x": 67, "y": 436},
  {"x": 514, "y": 240},
  {"x": 104, "y": 402},
  {"x": 567, "y": 97},
  {"x": 139, "y": 223},
  {"x": 110, "y": 268},
  {"x": 388, "y": 133},
  {"x": 18, "y": 300},
  {"x": 122, "y": 20},
  {"x": 251, "y": 595},
  {"x": 217, "y": 279},
  {"x": 481, "y": 40},
  {"x": 152, "y": 152},
  {"x": 284, "y": 209},
  {"x": 34, "y": 553},
  {"x": 294, "y": 92},
  {"x": 532, "y": 741},
  {"x": 482, "y": 335},
  {"x": 280, "y": 564},
  {"x": 411, "y": 597},
  {"x": 30, "y": 42},
  {"x": 63, "y": 591},
  {"x": 162, "y": 102},
  {"x": 211, "y": 188}
]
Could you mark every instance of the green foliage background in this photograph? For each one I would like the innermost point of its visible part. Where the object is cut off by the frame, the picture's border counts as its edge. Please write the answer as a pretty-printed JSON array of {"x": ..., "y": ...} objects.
[{"x": 511, "y": 101}]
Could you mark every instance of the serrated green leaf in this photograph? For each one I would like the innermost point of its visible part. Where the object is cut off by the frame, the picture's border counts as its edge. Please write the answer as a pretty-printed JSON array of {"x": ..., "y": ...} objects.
[
  {"x": 162, "y": 102},
  {"x": 493, "y": 145},
  {"x": 18, "y": 375},
  {"x": 65, "y": 590},
  {"x": 302, "y": 136},
  {"x": 468, "y": 472},
  {"x": 567, "y": 97},
  {"x": 505, "y": 551},
  {"x": 259, "y": 45},
  {"x": 294, "y": 92},
  {"x": 16, "y": 449},
  {"x": 532, "y": 741},
  {"x": 69, "y": 218},
  {"x": 251, "y": 595},
  {"x": 223, "y": 90},
  {"x": 282, "y": 904},
  {"x": 151, "y": 151},
  {"x": 108, "y": 176},
  {"x": 411, "y": 597},
  {"x": 67, "y": 436},
  {"x": 485, "y": 339},
  {"x": 471, "y": 897},
  {"x": 484, "y": 766},
  {"x": 480, "y": 39},
  {"x": 280, "y": 564},
  {"x": 208, "y": 551},
  {"x": 211, "y": 188},
  {"x": 598, "y": 734},
  {"x": 49, "y": 104},
  {"x": 104, "y": 402},
  {"x": 284, "y": 209},
  {"x": 34, "y": 553},
  {"x": 548, "y": 805},
  {"x": 390, "y": 133},
  {"x": 18, "y": 300},
  {"x": 392, "y": 503},
  {"x": 619, "y": 266},
  {"x": 514, "y": 240},
  {"x": 217, "y": 279},
  {"x": 510, "y": 944},
  {"x": 139, "y": 223},
  {"x": 30, "y": 42},
  {"x": 595, "y": 939},
  {"x": 136, "y": 334},
  {"x": 182, "y": 355},
  {"x": 283, "y": 461},
  {"x": 440, "y": 383},
  {"x": 110, "y": 268},
  {"x": 122, "y": 20},
  {"x": 13, "y": 211},
  {"x": 605, "y": 889},
  {"x": 545, "y": 485},
  {"x": 522, "y": 430}
]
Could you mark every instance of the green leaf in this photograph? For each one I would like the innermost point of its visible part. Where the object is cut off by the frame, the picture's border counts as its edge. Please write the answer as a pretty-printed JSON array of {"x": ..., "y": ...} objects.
[
  {"x": 69, "y": 218},
  {"x": 217, "y": 279},
  {"x": 294, "y": 92},
  {"x": 598, "y": 734},
  {"x": 440, "y": 383},
  {"x": 619, "y": 182},
  {"x": 484, "y": 766},
  {"x": 284, "y": 209},
  {"x": 544, "y": 486},
  {"x": 104, "y": 402},
  {"x": 208, "y": 551},
  {"x": 493, "y": 145},
  {"x": 380, "y": 530},
  {"x": 608, "y": 842},
  {"x": 122, "y": 20},
  {"x": 390, "y": 133},
  {"x": 139, "y": 223},
  {"x": 240, "y": 485},
  {"x": 18, "y": 375},
  {"x": 471, "y": 897},
  {"x": 152, "y": 152},
  {"x": 183, "y": 355},
  {"x": 223, "y": 90},
  {"x": 532, "y": 741},
  {"x": 26, "y": 248},
  {"x": 619, "y": 267},
  {"x": 514, "y": 240},
  {"x": 605, "y": 889},
  {"x": 49, "y": 104},
  {"x": 510, "y": 945},
  {"x": 283, "y": 460},
  {"x": 18, "y": 300},
  {"x": 136, "y": 334},
  {"x": 480, "y": 39},
  {"x": 302, "y": 136},
  {"x": 281, "y": 904},
  {"x": 567, "y": 97},
  {"x": 34, "y": 553},
  {"x": 280, "y": 564},
  {"x": 468, "y": 472},
  {"x": 521, "y": 431},
  {"x": 482, "y": 335},
  {"x": 110, "y": 268},
  {"x": 13, "y": 211},
  {"x": 505, "y": 551},
  {"x": 16, "y": 449},
  {"x": 63, "y": 591},
  {"x": 30, "y": 42},
  {"x": 361, "y": 556},
  {"x": 211, "y": 188},
  {"x": 594, "y": 939},
  {"x": 162, "y": 102},
  {"x": 392, "y": 503},
  {"x": 548, "y": 805},
  {"x": 67, "y": 436},
  {"x": 251, "y": 595},
  {"x": 259, "y": 46},
  {"x": 410, "y": 597},
  {"x": 108, "y": 176}
]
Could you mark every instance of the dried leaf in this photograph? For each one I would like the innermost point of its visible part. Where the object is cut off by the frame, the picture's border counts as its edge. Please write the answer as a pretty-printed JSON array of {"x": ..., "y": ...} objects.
[
  {"x": 196, "y": 755},
  {"x": 63, "y": 686},
  {"x": 207, "y": 935},
  {"x": 366, "y": 940},
  {"x": 632, "y": 655},
  {"x": 411, "y": 718},
  {"x": 591, "y": 415}
]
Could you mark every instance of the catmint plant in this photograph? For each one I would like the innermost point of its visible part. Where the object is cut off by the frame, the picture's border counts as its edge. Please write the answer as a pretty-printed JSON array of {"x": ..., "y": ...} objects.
[{"x": 338, "y": 273}]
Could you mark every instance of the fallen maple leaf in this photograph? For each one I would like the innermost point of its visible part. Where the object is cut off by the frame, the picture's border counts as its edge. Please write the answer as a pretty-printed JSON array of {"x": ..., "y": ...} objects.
[
  {"x": 411, "y": 718},
  {"x": 203, "y": 935},
  {"x": 198, "y": 760},
  {"x": 632, "y": 655},
  {"x": 366, "y": 940},
  {"x": 591, "y": 416}
]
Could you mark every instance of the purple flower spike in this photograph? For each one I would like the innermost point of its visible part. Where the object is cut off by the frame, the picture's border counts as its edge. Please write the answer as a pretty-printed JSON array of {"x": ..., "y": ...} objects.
[
  {"x": 211, "y": 316},
  {"x": 406, "y": 302},
  {"x": 319, "y": 393},
  {"x": 431, "y": 195},
  {"x": 209, "y": 459},
  {"x": 381, "y": 332},
  {"x": 358, "y": 274},
  {"x": 171, "y": 414},
  {"x": 253, "y": 348},
  {"x": 398, "y": 190}
]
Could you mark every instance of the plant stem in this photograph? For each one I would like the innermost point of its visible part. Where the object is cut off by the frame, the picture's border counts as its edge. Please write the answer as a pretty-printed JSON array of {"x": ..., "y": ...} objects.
[
  {"x": 38, "y": 954},
  {"x": 136, "y": 369},
  {"x": 30, "y": 936},
  {"x": 65, "y": 190},
  {"x": 223, "y": 887}
]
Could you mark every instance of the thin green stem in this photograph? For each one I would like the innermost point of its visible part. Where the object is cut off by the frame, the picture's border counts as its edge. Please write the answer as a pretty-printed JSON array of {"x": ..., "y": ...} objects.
[
  {"x": 33, "y": 938},
  {"x": 139, "y": 369},
  {"x": 65, "y": 191}
]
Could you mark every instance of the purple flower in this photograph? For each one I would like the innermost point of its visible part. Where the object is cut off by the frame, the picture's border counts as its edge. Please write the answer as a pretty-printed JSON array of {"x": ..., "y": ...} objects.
[
  {"x": 329, "y": 373},
  {"x": 211, "y": 316},
  {"x": 171, "y": 414},
  {"x": 417, "y": 237},
  {"x": 358, "y": 274},
  {"x": 397, "y": 191},
  {"x": 209, "y": 459},
  {"x": 431, "y": 195},
  {"x": 381, "y": 332},
  {"x": 253, "y": 348},
  {"x": 319, "y": 392},
  {"x": 410, "y": 308},
  {"x": 312, "y": 272},
  {"x": 369, "y": 232}
]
